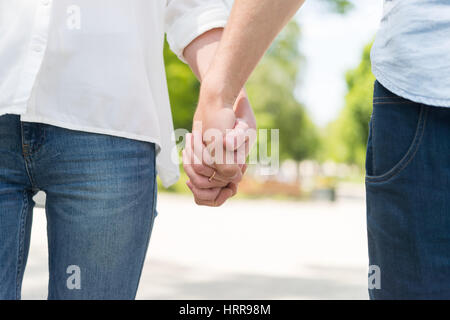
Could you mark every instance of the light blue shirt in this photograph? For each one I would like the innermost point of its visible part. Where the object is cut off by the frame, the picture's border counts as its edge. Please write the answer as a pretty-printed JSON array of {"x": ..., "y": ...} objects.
[{"x": 411, "y": 53}]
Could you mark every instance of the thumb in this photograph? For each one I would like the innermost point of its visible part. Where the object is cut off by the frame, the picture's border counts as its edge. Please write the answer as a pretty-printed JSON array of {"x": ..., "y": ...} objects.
[{"x": 237, "y": 136}]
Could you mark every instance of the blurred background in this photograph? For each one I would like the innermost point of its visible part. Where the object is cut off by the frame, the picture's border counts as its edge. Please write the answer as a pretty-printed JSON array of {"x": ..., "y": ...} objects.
[{"x": 297, "y": 234}]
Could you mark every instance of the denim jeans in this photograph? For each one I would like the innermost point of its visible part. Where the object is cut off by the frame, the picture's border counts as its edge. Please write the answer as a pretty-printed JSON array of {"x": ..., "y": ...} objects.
[
  {"x": 408, "y": 198},
  {"x": 101, "y": 196}
]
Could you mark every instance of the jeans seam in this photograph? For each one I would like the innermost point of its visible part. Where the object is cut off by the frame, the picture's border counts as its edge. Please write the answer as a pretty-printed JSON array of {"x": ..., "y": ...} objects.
[
  {"x": 29, "y": 173},
  {"x": 155, "y": 192},
  {"x": 41, "y": 140},
  {"x": 20, "y": 249},
  {"x": 26, "y": 157},
  {"x": 50, "y": 249},
  {"x": 373, "y": 147},
  {"x": 410, "y": 154}
]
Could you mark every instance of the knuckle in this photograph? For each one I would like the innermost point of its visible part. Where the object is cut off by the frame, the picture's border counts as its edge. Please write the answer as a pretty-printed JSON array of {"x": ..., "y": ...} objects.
[
  {"x": 238, "y": 178},
  {"x": 204, "y": 184},
  {"x": 198, "y": 168},
  {"x": 227, "y": 171},
  {"x": 195, "y": 180},
  {"x": 204, "y": 196}
]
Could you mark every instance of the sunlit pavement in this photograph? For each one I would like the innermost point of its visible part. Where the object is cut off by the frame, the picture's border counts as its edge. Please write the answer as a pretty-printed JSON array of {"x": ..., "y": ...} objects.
[{"x": 247, "y": 249}]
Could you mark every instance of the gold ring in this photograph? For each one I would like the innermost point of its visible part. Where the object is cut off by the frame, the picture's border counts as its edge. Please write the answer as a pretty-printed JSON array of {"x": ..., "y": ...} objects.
[{"x": 212, "y": 176}]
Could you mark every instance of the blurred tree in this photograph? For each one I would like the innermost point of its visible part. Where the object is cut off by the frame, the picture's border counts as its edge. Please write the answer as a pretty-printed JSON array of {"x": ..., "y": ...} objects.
[
  {"x": 183, "y": 89},
  {"x": 346, "y": 137},
  {"x": 340, "y": 6},
  {"x": 271, "y": 89}
]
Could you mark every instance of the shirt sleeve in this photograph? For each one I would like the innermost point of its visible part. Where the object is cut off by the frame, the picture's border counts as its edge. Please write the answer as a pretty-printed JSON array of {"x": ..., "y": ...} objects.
[{"x": 185, "y": 20}]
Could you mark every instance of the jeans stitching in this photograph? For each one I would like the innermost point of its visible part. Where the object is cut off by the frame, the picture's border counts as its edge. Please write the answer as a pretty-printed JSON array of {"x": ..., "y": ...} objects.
[
  {"x": 50, "y": 249},
  {"x": 26, "y": 156},
  {"x": 20, "y": 249},
  {"x": 36, "y": 146},
  {"x": 410, "y": 154},
  {"x": 373, "y": 147},
  {"x": 41, "y": 140},
  {"x": 155, "y": 190},
  {"x": 28, "y": 167}
]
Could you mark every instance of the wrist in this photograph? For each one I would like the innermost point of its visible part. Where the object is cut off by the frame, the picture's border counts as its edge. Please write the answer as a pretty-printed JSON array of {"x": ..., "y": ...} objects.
[{"x": 215, "y": 93}]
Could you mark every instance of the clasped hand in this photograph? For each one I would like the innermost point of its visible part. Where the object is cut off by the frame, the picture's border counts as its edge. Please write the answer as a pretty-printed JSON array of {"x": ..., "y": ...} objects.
[{"x": 216, "y": 150}]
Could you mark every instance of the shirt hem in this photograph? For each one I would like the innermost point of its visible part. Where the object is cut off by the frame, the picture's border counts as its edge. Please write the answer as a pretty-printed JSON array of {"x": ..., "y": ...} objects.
[
  {"x": 70, "y": 126},
  {"x": 379, "y": 75},
  {"x": 169, "y": 181},
  {"x": 13, "y": 109}
]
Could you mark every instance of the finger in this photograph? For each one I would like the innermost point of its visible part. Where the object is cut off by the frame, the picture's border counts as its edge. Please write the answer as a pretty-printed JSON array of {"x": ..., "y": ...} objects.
[
  {"x": 204, "y": 194},
  {"x": 225, "y": 194},
  {"x": 230, "y": 173},
  {"x": 200, "y": 181},
  {"x": 223, "y": 173},
  {"x": 243, "y": 151},
  {"x": 236, "y": 137},
  {"x": 200, "y": 174},
  {"x": 200, "y": 155},
  {"x": 187, "y": 152},
  {"x": 203, "y": 170},
  {"x": 203, "y": 202},
  {"x": 234, "y": 188},
  {"x": 197, "y": 146},
  {"x": 200, "y": 167},
  {"x": 190, "y": 158},
  {"x": 197, "y": 154},
  {"x": 241, "y": 154}
]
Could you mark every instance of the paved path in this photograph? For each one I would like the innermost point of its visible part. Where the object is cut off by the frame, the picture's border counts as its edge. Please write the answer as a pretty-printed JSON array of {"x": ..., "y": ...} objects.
[{"x": 247, "y": 249}]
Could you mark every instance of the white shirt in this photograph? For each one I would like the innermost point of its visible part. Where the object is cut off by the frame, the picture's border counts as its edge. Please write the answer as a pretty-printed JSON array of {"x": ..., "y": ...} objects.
[
  {"x": 411, "y": 53},
  {"x": 97, "y": 65}
]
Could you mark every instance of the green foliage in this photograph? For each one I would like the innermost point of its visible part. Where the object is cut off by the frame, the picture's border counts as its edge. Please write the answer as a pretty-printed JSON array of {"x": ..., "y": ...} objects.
[
  {"x": 340, "y": 6},
  {"x": 183, "y": 89},
  {"x": 346, "y": 138},
  {"x": 271, "y": 89}
]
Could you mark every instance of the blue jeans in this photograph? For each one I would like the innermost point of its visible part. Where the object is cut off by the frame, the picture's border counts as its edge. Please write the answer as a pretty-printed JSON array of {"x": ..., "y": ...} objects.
[
  {"x": 408, "y": 198},
  {"x": 101, "y": 196}
]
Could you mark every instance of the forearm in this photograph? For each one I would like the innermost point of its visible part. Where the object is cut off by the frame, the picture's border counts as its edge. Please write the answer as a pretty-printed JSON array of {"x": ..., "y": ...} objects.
[
  {"x": 252, "y": 27},
  {"x": 199, "y": 55}
]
